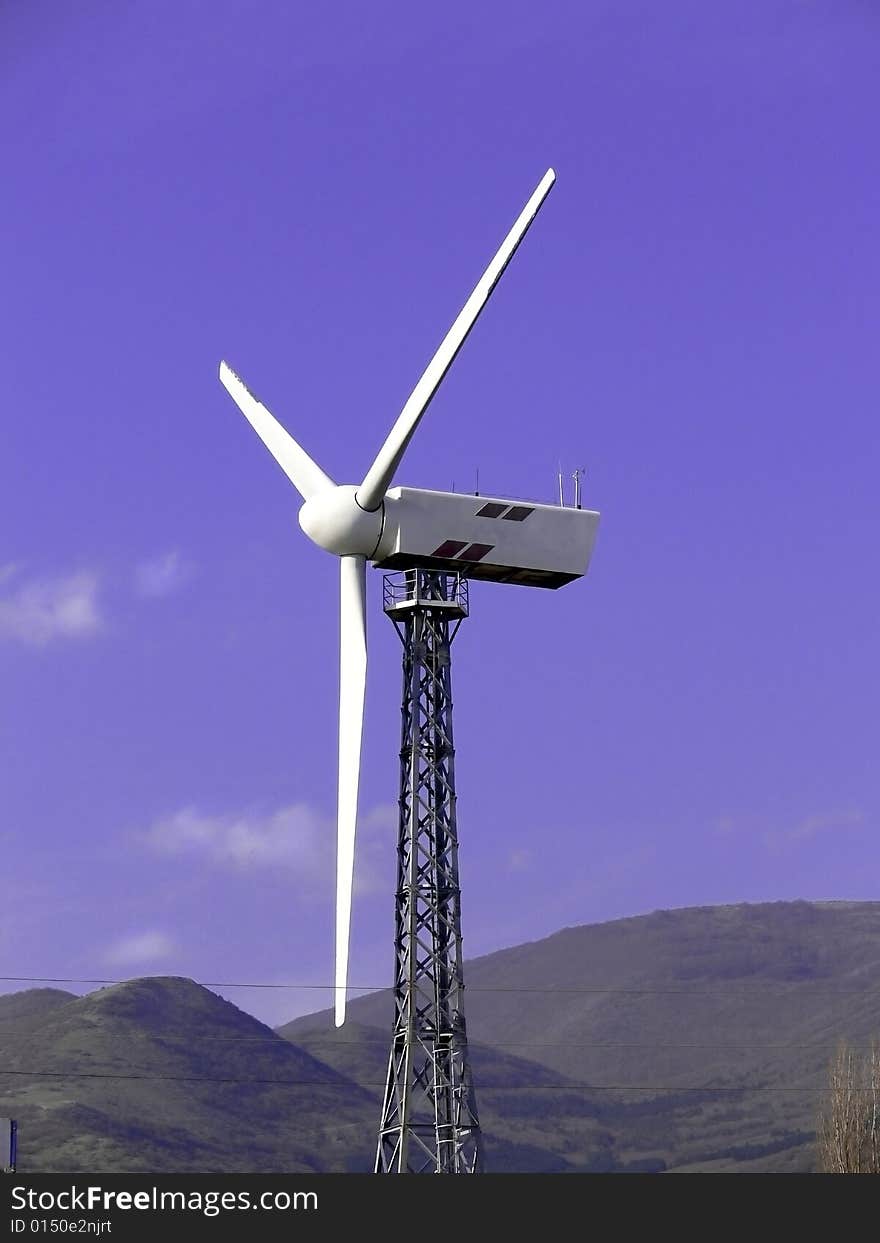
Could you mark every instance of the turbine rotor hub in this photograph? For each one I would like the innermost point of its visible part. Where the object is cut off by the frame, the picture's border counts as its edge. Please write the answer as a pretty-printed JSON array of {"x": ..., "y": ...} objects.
[{"x": 335, "y": 522}]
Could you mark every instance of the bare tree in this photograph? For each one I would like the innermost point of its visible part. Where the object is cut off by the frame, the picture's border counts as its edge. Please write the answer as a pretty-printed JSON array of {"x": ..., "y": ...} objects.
[{"x": 849, "y": 1122}]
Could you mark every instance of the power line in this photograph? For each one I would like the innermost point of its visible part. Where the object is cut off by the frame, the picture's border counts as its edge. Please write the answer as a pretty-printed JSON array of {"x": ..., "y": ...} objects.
[
  {"x": 471, "y": 988},
  {"x": 565, "y": 1044},
  {"x": 535, "y": 1087},
  {"x": 485, "y": 1042}
]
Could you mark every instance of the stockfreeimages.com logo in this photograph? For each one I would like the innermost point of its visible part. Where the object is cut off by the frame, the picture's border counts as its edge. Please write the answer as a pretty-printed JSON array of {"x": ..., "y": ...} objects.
[{"x": 96, "y": 1199}]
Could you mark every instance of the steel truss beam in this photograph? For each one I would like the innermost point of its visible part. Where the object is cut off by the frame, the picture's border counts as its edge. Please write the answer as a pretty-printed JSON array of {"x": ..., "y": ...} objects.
[{"x": 429, "y": 1115}]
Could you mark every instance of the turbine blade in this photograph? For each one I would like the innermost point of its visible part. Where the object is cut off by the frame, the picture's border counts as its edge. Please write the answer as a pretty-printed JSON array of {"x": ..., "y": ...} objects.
[
  {"x": 352, "y": 687},
  {"x": 305, "y": 475},
  {"x": 380, "y": 474}
]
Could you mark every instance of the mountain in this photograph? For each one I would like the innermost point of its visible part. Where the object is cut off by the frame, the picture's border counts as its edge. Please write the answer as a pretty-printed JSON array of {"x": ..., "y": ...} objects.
[
  {"x": 33, "y": 1001},
  {"x": 687, "y": 1039},
  {"x": 163, "y": 1075},
  {"x": 521, "y": 1102}
]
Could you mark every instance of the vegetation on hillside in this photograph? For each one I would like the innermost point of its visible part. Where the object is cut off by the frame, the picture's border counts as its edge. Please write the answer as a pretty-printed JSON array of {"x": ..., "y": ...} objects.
[{"x": 849, "y": 1121}]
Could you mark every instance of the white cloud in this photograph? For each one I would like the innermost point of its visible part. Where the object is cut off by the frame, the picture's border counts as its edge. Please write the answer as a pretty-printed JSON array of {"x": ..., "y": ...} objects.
[
  {"x": 295, "y": 837},
  {"x": 376, "y": 849},
  {"x": 812, "y": 826},
  {"x": 140, "y": 948},
  {"x": 760, "y": 827},
  {"x": 160, "y": 575},
  {"x": 292, "y": 835},
  {"x": 40, "y": 610}
]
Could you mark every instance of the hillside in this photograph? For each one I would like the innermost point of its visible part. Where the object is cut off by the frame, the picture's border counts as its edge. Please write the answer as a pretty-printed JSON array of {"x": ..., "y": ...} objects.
[
  {"x": 524, "y": 1106},
  {"x": 31, "y": 1003},
  {"x": 687, "y": 1040},
  {"x": 704, "y": 1034},
  {"x": 161, "y": 1074}
]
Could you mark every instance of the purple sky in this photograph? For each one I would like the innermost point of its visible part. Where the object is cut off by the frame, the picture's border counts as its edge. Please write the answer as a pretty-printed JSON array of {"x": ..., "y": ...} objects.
[{"x": 311, "y": 191}]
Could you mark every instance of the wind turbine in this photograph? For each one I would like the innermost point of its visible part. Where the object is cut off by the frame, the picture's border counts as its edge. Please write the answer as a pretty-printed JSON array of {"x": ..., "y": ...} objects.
[{"x": 399, "y": 528}]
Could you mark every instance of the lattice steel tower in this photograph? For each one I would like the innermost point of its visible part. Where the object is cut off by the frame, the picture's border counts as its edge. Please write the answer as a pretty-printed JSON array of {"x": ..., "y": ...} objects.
[{"x": 429, "y": 1119}]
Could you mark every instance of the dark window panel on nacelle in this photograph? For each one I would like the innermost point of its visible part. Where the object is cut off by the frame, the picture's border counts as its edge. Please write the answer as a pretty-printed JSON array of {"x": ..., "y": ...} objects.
[
  {"x": 491, "y": 510},
  {"x": 449, "y": 548},
  {"x": 475, "y": 552}
]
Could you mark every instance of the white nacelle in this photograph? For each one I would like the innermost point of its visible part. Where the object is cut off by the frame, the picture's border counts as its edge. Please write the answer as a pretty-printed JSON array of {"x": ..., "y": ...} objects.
[{"x": 486, "y": 537}]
